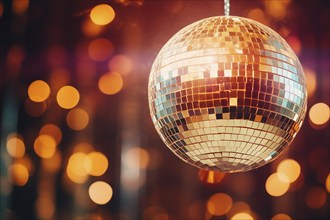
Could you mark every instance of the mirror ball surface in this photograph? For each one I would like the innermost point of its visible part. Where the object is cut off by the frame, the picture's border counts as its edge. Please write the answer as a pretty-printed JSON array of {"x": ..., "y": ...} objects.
[{"x": 227, "y": 94}]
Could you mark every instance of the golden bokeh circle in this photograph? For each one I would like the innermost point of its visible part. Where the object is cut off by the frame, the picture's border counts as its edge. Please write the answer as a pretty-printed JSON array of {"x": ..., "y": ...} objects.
[
  {"x": 77, "y": 119},
  {"x": 102, "y": 14},
  {"x": 110, "y": 83},
  {"x": 67, "y": 97},
  {"x": 100, "y": 192},
  {"x": 38, "y": 91}
]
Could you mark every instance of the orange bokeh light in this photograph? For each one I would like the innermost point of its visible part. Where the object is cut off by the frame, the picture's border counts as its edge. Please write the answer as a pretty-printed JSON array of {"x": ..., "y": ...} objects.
[
  {"x": 67, "y": 97},
  {"x": 110, "y": 83},
  {"x": 136, "y": 157},
  {"x": 241, "y": 216},
  {"x": 102, "y": 14},
  {"x": 121, "y": 64},
  {"x": 290, "y": 168},
  {"x": 311, "y": 81},
  {"x": 281, "y": 216},
  {"x": 45, "y": 207},
  {"x": 100, "y": 49},
  {"x": 53, "y": 163},
  {"x": 1, "y": 9},
  {"x": 96, "y": 163},
  {"x": 18, "y": 174},
  {"x": 38, "y": 91},
  {"x": 20, "y": 6},
  {"x": 35, "y": 109},
  {"x": 45, "y": 146},
  {"x": 316, "y": 197},
  {"x": 91, "y": 29},
  {"x": 294, "y": 43},
  {"x": 83, "y": 147},
  {"x": 15, "y": 146},
  {"x": 75, "y": 168},
  {"x": 327, "y": 183},
  {"x": 319, "y": 114},
  {"x": 100, "y": 192},
  {"x": 219, "y": 204},
  {"x": 53, "y": 131},
  {"x": 277, "y": 184},
  {"x": 77, "y": 119},
  {"x": 238, "y": 207},
  {"x": 258, "y": 15}
]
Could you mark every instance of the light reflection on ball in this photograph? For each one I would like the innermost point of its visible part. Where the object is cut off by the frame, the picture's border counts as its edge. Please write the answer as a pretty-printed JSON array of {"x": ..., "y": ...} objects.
[{"x": 227, "y": 94}]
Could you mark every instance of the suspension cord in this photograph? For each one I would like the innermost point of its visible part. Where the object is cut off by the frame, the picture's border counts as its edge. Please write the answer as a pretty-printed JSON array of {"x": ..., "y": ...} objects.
[{"x": 227, "y": 7}]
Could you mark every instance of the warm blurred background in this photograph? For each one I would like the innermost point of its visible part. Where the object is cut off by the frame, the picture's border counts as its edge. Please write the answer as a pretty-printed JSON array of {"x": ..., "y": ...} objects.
[{"x": 77, "y": 141}]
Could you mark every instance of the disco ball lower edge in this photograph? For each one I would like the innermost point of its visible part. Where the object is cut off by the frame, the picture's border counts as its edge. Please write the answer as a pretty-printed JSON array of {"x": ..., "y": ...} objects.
[{"x": 227, "y": 94}]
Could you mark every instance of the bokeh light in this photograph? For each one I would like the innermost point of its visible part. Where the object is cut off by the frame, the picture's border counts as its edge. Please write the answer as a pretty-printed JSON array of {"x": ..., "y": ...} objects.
[
  {"x": 15, "y": 146},
  {"x": 18, "y": 174},
  {"x": 15, "y": 57},
  {"x": 281, "y": 216},
  {"x": 59, "y": 77},
  {"x": 238, "y": 207},
  {"x": 258, "y": 15},
  {"x": 83, "y": 147},
  {"x": 319, "y": 114},
  {"x": 316, "y": 197},
  {"x": 210, "y": 176},
  {"x": 100, "y": 192},
  {"x": 219, "y": 204},
  {"x": 26, "y": 162},
  {"x": 276, "y": 9},
  {"x": 52, "y": 164},
  {"x": 20, "y": 6},
  {"x": 327, "y": 183},
  {"x": 294, "y": 43},
  {"x": 96, "y": 163},
  {"x": 90, "y": 29},
  {"x": 35, "y": 109},
  {"x": 290, "y": 168},
  {"x": 277, "y": 184},
  {"x": 196, "y": 209},
  {"x": 298, "y": 183},
  {"x": 75, "y": 168},
  {"x": 1, "y": 9},
  {"x": 45, "y": 146},
  {"x": 53, "y": 131},
  {"x": 155, "y": 212},
  {"x": 67, "y": 97},
  {"x": 102, "y": 14},
  {"x": 77, "y": 119},
  {"x": 245, "y": 189},
  {"x": 121, "y": 64},
  {"x": 311, "y": 81},
  {"x": 110, "y": 83},
  {"x": 242, "y": 216},
  {"x": 45, "y": 207},
  {"x": 38, "y": 91},
  {"x": 100, "y": 49},
  {"x": 136, "y": 157}
]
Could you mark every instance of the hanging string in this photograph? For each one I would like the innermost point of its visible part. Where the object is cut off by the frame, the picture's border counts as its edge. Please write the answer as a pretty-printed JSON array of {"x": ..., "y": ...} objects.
[{"x": 227, "y": 7}]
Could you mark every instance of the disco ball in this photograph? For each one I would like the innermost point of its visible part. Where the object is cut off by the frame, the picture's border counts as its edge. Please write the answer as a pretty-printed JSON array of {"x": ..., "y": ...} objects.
[{"x": 227, "y": 94}]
